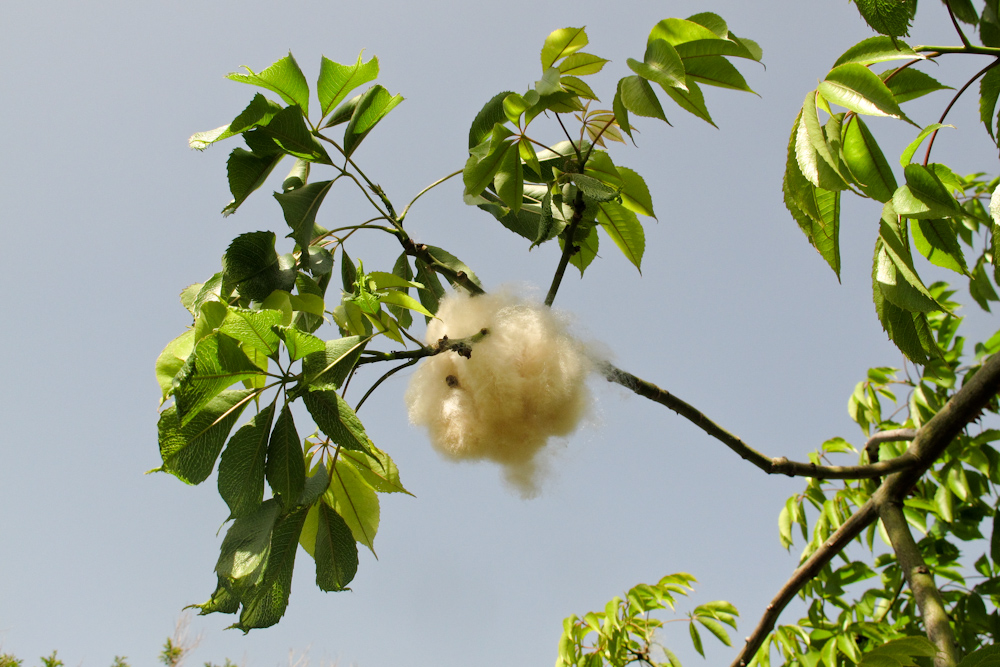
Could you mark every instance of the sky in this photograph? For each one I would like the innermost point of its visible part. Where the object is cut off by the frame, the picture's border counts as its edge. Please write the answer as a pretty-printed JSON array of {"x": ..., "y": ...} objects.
[{"x": 107, "y": 215}]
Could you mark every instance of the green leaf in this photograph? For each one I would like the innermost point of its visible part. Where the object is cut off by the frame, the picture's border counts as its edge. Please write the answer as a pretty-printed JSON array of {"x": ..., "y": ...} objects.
[
  {"x": 354, "y": 500},
  {"x": 706, "y": 48},
  {"x": 336, "y": 419},
  {"x": 817, "y": 211},
  {"x": 907, "y": 155},
  {"x": 964, "y": 11},
  {"x": 480, "y": 170},
  {"x": 679, "y": 31},
  {"x": 217, "y": 362},
  {"x": 621, "y": 113},
  {"x": 253, "y": 328},
  {"x": 894, "y": 271},
  {"x": 289, "y": 131},
  {"x": 430, "y": 297},
  {"x": 336, "y": 80},
  {"x": 980, "y": 288},
  {"x": 509, "y": 179},
  {"x": 924, "y": 195},
  {"x": 594, "y": 189},
  {"x": 635, "y": 194},
  {"x": 586, "y": 240},
  {"x": 581, "y": 64},
  {"x": 377, "y": 469},
  {"x": 989, "y": 90},
  {"x": 909, "y": 331},
  {"x": 817, "y": 159},
  {"x": 696, "y": 639},
  {"x": 909, "y": 84},
  {"x": 300, "y": 207},
  {"x": 374, "y": 105},
  {"x": 692, "y": 100},
  {"x": 283, "y": 77},
  {"x": 487, "y": 118},
  {"x": 562, "y": 43},
  {"x": 625, "y": 230},
  {"x": 857, "y": 88},
  {"x": 715, "y": 71},
  {"x": 252, "y": 266},
  {"x": 260, "y": 111},
  {"x": 172, "y": 359},
  {"x": 877, "y": 50},
  {"x": 334, "y": 548},
  {"x": 866, "y": 162},
  {"x": 886, "y": 17},
  {"x": 986, "y": 656},
  {"x": 244, "y": 551},
  {"x": 222, "y": 601},
  {"x": 328, "y": 369},
  {"x": 715, "y": 627},
  {"x": 189, "y": 450},
  {"x": 452, "y": 262},
  {"x": 937, "y": 241},
  {"x": 266, "y": 602},
  {"x": 297, "y": 176},
  {"x": 285, "y": 461},
  {"x": 247, "y": 171},
  {"x": 637, "y": 96},
  {"x": 241, "y": 468},
  {"x": 661, "y": 64},
  {"x": 404, "y": 301},
  {"x": 299, "y": 343}
]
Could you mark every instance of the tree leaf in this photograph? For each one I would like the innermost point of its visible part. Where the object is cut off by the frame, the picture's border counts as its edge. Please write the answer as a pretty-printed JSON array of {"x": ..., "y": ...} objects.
[
  {"x": 678, "y": 31},
  {"x": 661, "y": 64},
  {"x": 288, "y": 130},
  {"x": 336, "y": 419},
  {"x": 336, "y": 80},
  {"x": 247, "y": 171},
  {"x": 266, "y": 602},
  {"x": 354, "y": 500},
  {"x": 886, "y": 17},
  {"x": 374, "y": 104},
  {"x": 625, "y": 230},
  {"x": 989, "y": 90},
  {"x": 480, "y": 170},
  {"x": 894, "y": 269},
  {"x": 509, "y": 178},
  {"x": 487, "y": 118},
  {"x": 857, "y": 88},
  {"x": 866, "y": 162},
  {"x": 692, "y": 100},
  {"x": 937, "y": 241},
  {"x": 217, "y": 362},
  {"x": 328, "y": 369},
  {"x": 908, "y": 331},
  {"x": 253, "y": 268},
  {"x": 299, "y": 343},
  {"x": 877, "y": 50},
  {"x": 452, "y": 262},
  {"x": 377, "y": 468},
  {"x": 253, "y": 328},
  {"x": 635, "y": 194},
  {"x": 924, "y": 195},
  {"x": 241, "y": 468},
  {"x": 909, "y": 84},
  {"x": 335, "y": 550},
  {"x": 260, "y": 111},
  {"x": 907, "y": 155},
  {"x": 715, "y": 71},
  {"x": 581, "y": 64},
  {"x": 286, "y": 464},
  {"x": 189, "y": 450},
  {"x": 300, "y": 207},
  {"x": 404, "y": 301},
  {"x": 172, "y": 359},
  {"x": 637, "y": 96},
  {"x": 562, "y": 43},
  {"x": 283, "y": 77}
]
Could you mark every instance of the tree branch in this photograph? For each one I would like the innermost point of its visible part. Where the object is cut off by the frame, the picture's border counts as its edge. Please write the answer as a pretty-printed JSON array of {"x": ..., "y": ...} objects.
[
  {"x": 930, "y": 442},
  {"x": 568, "y": 248},
  {"x": 461, "y": 346},
  {"x": 921, "y": 582},
  {"x": 771, "y": 465}
]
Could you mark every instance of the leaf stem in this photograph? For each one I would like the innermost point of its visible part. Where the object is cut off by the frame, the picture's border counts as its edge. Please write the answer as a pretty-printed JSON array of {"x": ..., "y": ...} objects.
[
  {"x": 383, "y": 379},
  {"x": 930, "y": 144},
  {"x": 429, "y": 187},
  {"x": 954, "y": 22},
  {"x": 569, "y": 247}
]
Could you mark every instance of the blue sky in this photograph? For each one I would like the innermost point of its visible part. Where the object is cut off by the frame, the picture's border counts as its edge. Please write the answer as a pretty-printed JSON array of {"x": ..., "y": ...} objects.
[{"x": 107, "y": 215}]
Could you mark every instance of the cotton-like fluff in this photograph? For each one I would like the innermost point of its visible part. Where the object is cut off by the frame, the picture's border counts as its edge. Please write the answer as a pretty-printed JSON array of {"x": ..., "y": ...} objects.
[{"x": 524, "y": 383}]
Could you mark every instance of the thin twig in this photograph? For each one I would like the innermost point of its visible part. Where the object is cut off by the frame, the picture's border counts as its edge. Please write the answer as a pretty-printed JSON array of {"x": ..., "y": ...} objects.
[
  {"x": 428, "y": 188},
  {"x": 381, "y": 380},
  {"x": 569, "y": 248},
  {"x": 930, "y": 144}
]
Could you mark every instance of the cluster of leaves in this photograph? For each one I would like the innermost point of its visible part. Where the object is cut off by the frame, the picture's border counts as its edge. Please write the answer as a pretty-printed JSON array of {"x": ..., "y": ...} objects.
[
  {"x": 252, "y": 340},
  {"x": 948, "y": 506},
  {"x": 625, "y": 632},
  {"x": 935, "y": 210},
  {"x": 570, "y": 189}
]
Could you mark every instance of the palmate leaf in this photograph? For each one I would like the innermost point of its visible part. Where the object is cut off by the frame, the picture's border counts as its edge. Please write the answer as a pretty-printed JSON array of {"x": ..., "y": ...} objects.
[
  {"x": 241, "y": 468},
  {"x": 336, "y": 80},
  {"x": 377, "y": 468},
  {"x": 189, "y": 450},
  {"x": 561, "y": 43},
  {"x": 172, "y": 359},
  {"x": 328, "y": 369},
  {"x": 283, "y": 77},
  {"x": 715, "y": 71},
  {"x": 692, "y": 100},
  {"x": 636, "y": 95},
  {"x": 245, "y": 549},
  {"x": 260, "y": 111},
  {"x": 288, "y": 130},
  {"x": 253, "y": 328},
  {"x": 661, "y": 64},
  {"x": 247, "y": 171},
  {"x": 327, "y": 538},
  {"x": 299, "y": 343}
]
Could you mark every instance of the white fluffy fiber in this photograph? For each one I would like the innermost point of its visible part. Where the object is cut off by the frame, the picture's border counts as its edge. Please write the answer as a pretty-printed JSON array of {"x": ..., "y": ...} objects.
[{"x": 524, "y": 383}]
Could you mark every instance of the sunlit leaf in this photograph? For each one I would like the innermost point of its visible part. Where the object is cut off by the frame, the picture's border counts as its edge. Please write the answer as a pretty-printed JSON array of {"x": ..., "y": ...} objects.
[
  {"x": 857, "y": 88},
  {"x": 562, "y": 43},
  {"x": 283, "y": 77},
  {"x": 241, "y": 468},
  {"x": 336, "y": 80},
  {"x": 189, "y": 451}
]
